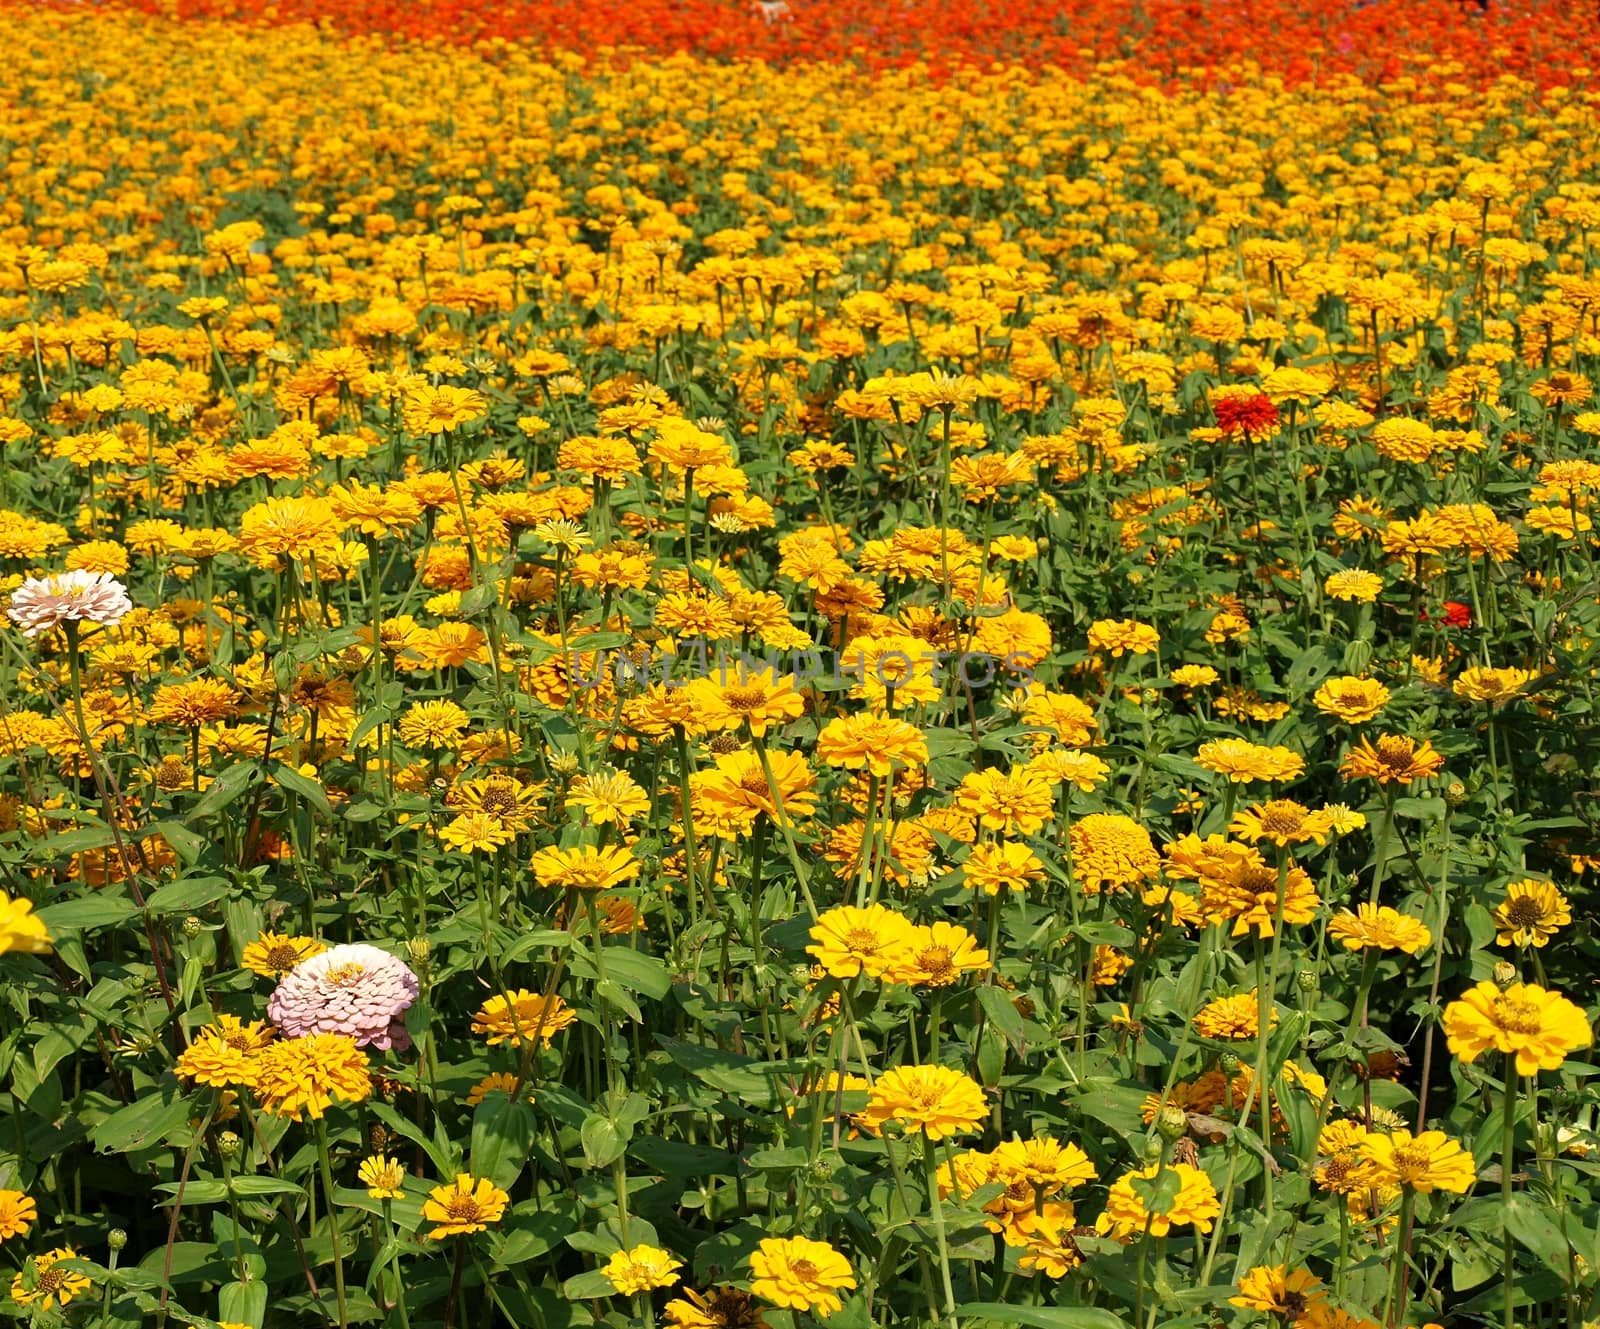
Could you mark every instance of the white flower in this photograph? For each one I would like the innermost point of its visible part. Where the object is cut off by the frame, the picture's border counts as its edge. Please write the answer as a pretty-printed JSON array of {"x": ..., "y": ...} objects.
[{"x": 43, "y": 603}]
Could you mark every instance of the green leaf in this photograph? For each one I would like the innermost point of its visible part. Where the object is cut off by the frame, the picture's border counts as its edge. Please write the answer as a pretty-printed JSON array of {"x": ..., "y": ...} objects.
[
  {"x": 225, "y": 789},
  {"x": 186, "y": 896},
  {"x": 144, "y": 1122},
  {"x": 1042, "y": 1317},
  {"x": 308, "y": 789},
  {"x": 1001, "y": 1012},
  {"x": 502, "y": 1136},
  {"x": 102, "y": 910},
  {"x": 604, "y": 1141},
  {"x": 1531, "y": 1225},
  {"x": 588, "y": 1287},
  {"x": 242, "y": 1303}
]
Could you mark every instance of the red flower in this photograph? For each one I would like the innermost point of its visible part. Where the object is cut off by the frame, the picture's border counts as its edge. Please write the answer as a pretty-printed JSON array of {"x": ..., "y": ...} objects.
[
  {"x": 1255, "y": 415},
  {"x": 1456, "y": 614}
]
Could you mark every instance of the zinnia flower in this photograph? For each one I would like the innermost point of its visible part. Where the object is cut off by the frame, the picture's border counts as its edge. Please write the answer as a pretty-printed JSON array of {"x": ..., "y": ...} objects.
[
  {"x": 1395, "y": 759},
  {"x": 1292, "y": 1295},
  {"x": 51, "y": 1287},
  {"x": 18, "y": 1213},
  {"x": 382, "y": 1176},
  {"x": 1194, "y": 1204},
  {"x": 356, "y": 990},
  {"x": 1378, "y": 927},
  {"x": 1242, "y": 761},
  {"x": 20, "y": 928},
  {"x": 1530, "y": 913},
  {"x": 1539, "y": 1026},
  {"x": 308, "y": 1075},
  {"x": 41, "y": 604},
  {"x": 937, "y": 1100},
  {"x": 641, "y": 1269},
  {"x": 467, "y": 1205},
  {"x": 848, "y": 941},
  {"x": 801, "y": 1274},
  {"x": 272, "y": 955},
  {"x": 585, "y": 867},
  {"x": 1427, "y": 1162},
  {"x": 1112, "y": 851},
  {"x": 528, "y": 1015}
]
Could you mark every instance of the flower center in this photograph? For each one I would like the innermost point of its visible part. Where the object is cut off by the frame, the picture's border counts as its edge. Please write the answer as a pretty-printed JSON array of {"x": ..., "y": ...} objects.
[
  {"x": 804, "y": 1270},
  {"x": 341, "y": 974},
  {"x": 861, "y": 939},
  {"x": 283, "y": 957},
  {"x": 1524, "y": 911},
  {"x": 1395, "y": 753},
  {"x": 462, "y": 1208},
  {"x": 1517, "y": 1015},
  {"x": 744, "y": 700},
  {"x": 937, "y": 963},
  {"x": 1410, "y": 1162},
  {"x": 1282, "y": 818}
]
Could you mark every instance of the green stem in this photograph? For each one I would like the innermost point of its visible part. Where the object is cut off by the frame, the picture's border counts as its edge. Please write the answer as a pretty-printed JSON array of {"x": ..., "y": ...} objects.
[{"x": 333, "y": 1220}]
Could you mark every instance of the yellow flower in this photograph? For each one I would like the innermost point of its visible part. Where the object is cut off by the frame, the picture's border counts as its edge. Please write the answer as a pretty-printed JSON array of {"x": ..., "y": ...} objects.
[
  {"x": 1292, "y": 1295},
  {"x": 1378, "y": 927},
  {"x": 474, "y": 832},
  {"x": 641, "y": 1269},
  {"x": 18, "y": 1213},
  {"x": 609, "y": 797},
  {"x": 997, "y": 865},
  {"x": 527, "y": 1016},
  {"x": 383, "y": 1176},
  {"x": 20, "y": 930},
  {"x": 1236, "y": 1017},
  {"x": 1123, "y": 635},
  {"x": 937, "y": 1100},
  {"x": 1494, "y": 686},
  {"x": 1112, "y": 851},
  {"x": 1540, "y": 1027},
  {"x": 47, "y": 1286},
  {"x": 1242, "y": 761},
  {"x": 1530, "y": 913},
  {"x": 1354, "y": 584},
  {"x": 1394, "y": 759},
  {"x": 1351, "y": 699},
  {"x": 1282, "y": 821},
  {"x": 1138, "y": 1202},
  {"x": 1425, "y": 1163},
  {"x": 585, "y": 867},
  {"x": 761, "y": 699},
  {"x": 874, "y": 941},
  {"x": 308, "y": 1075},
  {"x": 1017, "y": 802},
  {"x": 272, "y": 954},
  {"x": 801, "y": 1274},
  {"x": 467, "y": 1205},
  {"x": 939, "y": 955}
]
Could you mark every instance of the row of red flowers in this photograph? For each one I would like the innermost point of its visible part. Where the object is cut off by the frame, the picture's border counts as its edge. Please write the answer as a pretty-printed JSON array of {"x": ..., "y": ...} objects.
[{"x": 1547, "y": 41}]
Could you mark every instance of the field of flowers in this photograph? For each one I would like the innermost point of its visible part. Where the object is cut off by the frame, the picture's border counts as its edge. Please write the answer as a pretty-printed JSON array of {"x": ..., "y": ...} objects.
[{"x": 738, "y": 667}]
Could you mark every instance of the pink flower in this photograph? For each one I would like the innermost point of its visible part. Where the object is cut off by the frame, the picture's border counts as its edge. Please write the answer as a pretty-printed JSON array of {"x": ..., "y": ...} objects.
[
  {"x": 355, "y": 990},
  {"x": 43, "y": 603}
]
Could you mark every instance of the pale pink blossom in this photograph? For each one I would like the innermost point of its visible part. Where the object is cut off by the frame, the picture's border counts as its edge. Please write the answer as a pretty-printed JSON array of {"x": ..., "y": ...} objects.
[
  {"x": 43, "y": 603},
  {"x": 355, "y": 990}
]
